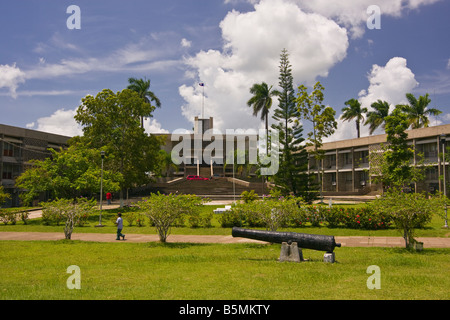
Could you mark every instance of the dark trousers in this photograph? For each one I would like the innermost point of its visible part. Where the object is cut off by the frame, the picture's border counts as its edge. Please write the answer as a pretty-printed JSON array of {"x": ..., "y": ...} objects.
[{"x": 119, "y": 234}]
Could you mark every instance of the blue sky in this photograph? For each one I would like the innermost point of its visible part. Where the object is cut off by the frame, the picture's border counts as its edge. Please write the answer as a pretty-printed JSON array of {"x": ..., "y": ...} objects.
[{"x": 46, "y": 68}]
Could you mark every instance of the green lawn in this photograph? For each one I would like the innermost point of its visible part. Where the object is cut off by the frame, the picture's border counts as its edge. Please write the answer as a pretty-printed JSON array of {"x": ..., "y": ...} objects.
[
  {"x": 37, "y": 270},
  {"x": 33, "y": 270}
]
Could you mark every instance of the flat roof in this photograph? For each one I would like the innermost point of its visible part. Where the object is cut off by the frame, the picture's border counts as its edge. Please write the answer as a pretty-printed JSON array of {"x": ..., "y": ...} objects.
[
  {"x": 380, "y": 138},
  {"x": 34, "y": 134}
]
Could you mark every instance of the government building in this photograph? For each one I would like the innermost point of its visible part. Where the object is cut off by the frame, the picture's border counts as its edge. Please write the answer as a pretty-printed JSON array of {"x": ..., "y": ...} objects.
[
  {"x": 349, "y": 166},
  {"x": 18, "y": 147}
]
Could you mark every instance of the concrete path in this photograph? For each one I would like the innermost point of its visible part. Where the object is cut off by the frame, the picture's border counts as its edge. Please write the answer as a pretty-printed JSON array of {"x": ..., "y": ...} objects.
[{"x": 102, "y": 237}]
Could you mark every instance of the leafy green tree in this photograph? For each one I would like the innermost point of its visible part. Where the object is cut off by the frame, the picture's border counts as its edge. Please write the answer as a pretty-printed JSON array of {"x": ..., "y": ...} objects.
[
  {"x": 292, "y": 174},
  {"x": 354, "y": 111},
  {"x": 3, "y": 196},
  {"x": 408, "y": 211},
  {"x": 261, "y": 102},
  {"x": 142, "y": 87},
  {"x": 417, "y": 111},
  {"x": 69, "y": 211},
  {"x": 67, "y": 173},
  {"x": 395, "y": 169},
  {"x": 311, "y": 108},
  {"x": 164, "y": 210},
  {"x": 111, "y": 122},
  {"x": 324, "y": 124},
  {"x": 376, "y": 118}
]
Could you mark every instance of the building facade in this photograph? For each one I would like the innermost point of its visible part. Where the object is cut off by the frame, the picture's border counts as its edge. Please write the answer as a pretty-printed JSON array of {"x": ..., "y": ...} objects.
[
  {"x": 18, "y": 146},
  {"x": 348, "y": 165},
  {"x": 204, "y": 152}
]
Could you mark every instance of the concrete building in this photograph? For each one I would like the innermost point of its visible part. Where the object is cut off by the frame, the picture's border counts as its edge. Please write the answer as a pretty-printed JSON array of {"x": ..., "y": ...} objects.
[
  {"x": 204, "y": 151},
  {"x": 18, "y": 147},
  {"x": 347, "y": 167}
]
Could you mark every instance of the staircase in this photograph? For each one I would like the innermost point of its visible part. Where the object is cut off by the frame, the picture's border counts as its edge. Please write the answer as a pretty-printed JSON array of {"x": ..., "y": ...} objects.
[{"x": 215, "y": 189}]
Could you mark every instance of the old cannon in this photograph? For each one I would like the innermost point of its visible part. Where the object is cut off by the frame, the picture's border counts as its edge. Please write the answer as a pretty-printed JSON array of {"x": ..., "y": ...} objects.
[{"x": 292, "y": 242}]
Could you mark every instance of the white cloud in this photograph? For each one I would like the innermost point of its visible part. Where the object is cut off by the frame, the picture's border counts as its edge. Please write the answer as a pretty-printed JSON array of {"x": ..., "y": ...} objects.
[
  {"x": 352, "y": 14},
  {"x": 60, "y": 122},
  {"x": 11, "y": 77},
  {"x": 185, "y": 43},
  {"x": 388, "y": 83},
  {"x": 153, "y": 126},
  {"x": 252, "y": 45}
]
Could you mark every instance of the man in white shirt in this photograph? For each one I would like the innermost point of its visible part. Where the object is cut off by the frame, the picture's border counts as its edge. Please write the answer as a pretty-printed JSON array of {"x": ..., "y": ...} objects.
[{"x": 119, "y": 223}]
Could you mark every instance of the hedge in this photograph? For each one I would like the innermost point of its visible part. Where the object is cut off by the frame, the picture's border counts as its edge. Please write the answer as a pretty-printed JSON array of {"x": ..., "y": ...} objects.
[{"x": 309, "y": 215}]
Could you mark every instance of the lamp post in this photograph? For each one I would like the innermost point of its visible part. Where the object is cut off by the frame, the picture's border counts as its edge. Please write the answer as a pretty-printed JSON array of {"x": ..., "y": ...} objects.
[
  {"x": 102, "y": 153},
  {"x": 443, "y": 136}
]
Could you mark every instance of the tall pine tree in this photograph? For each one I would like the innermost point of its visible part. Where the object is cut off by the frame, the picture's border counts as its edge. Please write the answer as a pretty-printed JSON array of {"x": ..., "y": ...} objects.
[{"x": 292, "y": 176}]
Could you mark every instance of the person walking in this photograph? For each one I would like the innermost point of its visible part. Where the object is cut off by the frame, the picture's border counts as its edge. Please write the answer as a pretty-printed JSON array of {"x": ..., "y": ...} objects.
[
  {"x": 109, "y": 197},
  {"x": 119, "y": 223}
]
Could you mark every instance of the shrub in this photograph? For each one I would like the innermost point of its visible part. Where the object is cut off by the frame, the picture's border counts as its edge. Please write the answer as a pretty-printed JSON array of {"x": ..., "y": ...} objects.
[
  {"x": 130, "y": 217},
  {"x": 232, "y": 218},
  {"x": 315, "y": 215},
  {"x": 71, "y": 212},
  {"x": 248, "y": 196},
  {"x": 163, "y": 210},
  {"x": 408, "y": 211},
  {"x": 7, "y": 216}
]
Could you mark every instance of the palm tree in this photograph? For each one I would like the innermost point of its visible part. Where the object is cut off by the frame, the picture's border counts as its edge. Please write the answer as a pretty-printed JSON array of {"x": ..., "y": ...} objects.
[
  {"x": 142, "y": 87},
  {"x": 261, "y": 101},
  {"x": 418, "y": 112},
  {"x": 376, "y": 118},
  {"x": 354, "y": 111}
]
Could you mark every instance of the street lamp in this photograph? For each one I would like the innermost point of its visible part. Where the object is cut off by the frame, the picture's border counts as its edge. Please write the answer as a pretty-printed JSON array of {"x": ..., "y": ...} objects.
[
  {"x": 102, "y": 153},
  {"x": 443, "y": 136}
]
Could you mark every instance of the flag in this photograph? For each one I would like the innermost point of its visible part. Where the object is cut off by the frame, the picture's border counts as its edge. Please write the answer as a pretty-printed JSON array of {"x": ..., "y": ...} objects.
[{"x": 201, "y": 84}]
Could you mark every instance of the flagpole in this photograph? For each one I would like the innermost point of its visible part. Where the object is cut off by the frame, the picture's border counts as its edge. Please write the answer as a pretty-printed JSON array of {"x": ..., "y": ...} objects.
[
  {"x": 203, "y": 101},
  {"x": 202, "y": 84}
]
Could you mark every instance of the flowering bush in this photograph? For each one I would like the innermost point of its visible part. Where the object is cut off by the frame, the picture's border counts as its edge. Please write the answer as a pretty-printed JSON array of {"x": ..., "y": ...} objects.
[{"x": 293, "y": 212}]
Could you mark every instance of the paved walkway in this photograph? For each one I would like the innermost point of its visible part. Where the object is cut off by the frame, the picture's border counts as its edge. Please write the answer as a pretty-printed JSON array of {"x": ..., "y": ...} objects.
[{"x": 102, "y": 237}]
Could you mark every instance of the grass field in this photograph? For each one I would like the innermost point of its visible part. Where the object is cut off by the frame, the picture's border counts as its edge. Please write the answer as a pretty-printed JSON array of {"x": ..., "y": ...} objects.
[
  {"x": 33, "y": 270},
  {"x": 37, "y": 270}
]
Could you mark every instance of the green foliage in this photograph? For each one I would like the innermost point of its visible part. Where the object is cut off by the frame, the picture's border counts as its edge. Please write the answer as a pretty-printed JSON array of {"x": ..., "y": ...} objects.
[
  {"x": 248, "y": 196},
  {"x": 354, "y": 111},
  {"x": 408, "y": 211},
  {"x": 3, "y": 196},
  {"x": 68, "y": 173},
  {"x": 311, "y": 108},
  {"x": 261, "y": 100},
  {"x": 111, "y": 121},
  {"x": 275, "y": 212},
  {"x": 395, "y": 168},
  {"x": 376, "y": 117},
  {"x": 164, "y": 210},
  {"x": 68, "y": 211},
  {"x": 292, "y": 176},
  {"x": 8, "y": 216},
  {"x": 269, "y": 213},
  {"x": 417, "y": 111}
]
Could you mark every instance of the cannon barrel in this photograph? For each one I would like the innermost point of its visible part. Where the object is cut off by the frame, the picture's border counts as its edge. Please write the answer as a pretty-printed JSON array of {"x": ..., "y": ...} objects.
[{"x": 304, "y": 240}]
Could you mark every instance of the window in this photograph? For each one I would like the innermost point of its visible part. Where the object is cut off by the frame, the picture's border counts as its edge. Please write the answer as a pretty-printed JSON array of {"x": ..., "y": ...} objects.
[
  {"x": 432, "y": 174},
  {"x": 7, "y": 150},
  {"x": 347, "y": 158},
  {"x": 7, "y": 171}
]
